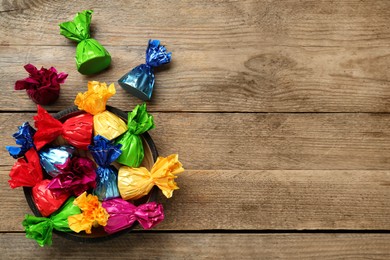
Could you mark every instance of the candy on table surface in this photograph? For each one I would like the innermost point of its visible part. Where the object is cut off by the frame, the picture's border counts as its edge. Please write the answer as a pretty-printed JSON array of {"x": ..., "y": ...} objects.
[
  {"x": 28, "y": 173},
  {"x": 139, "y": 121},
  {"x": 42, "y": 86},
  {"x": 134, "y": 183},
  {"x": 78, "y": 175},
  {"x": 93, "y": 214},
  {"x": 41, "y": 229},
  {"x": 77, "y": 130},
  {"x": 24, "y": 138},
  {"x": 123, "y": 214},
  {"x": 91, "y": 56},
  {"x": 140, "y": 80},
  {"x": 52, "y": 157},
  {"x": 105, "y": 152},
  {"x": 94, "y": 102}
]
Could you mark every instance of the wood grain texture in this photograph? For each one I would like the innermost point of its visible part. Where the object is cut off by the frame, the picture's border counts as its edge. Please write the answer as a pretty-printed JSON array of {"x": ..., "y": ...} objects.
[
  {"x": 249, "y": 56},
  {"x": 249, "y": 79},
  {"x": 212, "y": 141},
  {"x": 204, "y": 24},
  {"x": 206, "y": 246},
  {"x": 256, "y": 200},
  {"x": 280, "y": 111}
]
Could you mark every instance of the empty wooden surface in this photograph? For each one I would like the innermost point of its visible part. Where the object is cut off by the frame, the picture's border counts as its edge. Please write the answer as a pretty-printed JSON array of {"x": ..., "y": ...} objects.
[
  {"x": 209, "y": 246},
  {"x": 279, "y": 111}
]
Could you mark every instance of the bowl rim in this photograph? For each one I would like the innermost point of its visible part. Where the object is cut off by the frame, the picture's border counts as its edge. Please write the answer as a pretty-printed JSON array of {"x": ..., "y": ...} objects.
[{"x": 71, "y": 112}]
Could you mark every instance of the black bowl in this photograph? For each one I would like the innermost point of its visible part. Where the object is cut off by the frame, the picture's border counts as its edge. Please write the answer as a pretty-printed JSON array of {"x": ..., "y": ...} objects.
[{"x": 98, "y": 234}]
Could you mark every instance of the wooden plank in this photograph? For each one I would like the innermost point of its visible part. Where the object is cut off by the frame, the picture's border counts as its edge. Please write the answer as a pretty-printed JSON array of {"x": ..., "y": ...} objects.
[
  {"x": 206, "y": 246},
  {"x": 252, "y": 79},
  {"x": 256, "y": 56},
  {"x": 204, "y": 24},
  {"x": 212, "y": 141},
  {"x": 256, "y": 200}
]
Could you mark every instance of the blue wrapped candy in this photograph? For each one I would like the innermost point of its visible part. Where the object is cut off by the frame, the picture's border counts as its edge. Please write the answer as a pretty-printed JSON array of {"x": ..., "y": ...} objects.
[
  {"x": 105, "y": 152},
  {"x": 52, "y": 157},
  {"x": 140, "y": 80},
  {"x": 24, "y": 138}
]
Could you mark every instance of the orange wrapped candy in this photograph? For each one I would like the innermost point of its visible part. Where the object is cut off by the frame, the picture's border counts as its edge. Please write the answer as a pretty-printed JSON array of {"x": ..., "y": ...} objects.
[
  {"x": 134, "y": 183},
  {"x": 94, "y": 102},
  {"x": 93, "y": 214}
]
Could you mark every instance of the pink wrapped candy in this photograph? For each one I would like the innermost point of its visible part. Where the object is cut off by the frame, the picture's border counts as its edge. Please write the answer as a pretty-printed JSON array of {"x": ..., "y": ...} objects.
[{"x": 123, "y": 214}]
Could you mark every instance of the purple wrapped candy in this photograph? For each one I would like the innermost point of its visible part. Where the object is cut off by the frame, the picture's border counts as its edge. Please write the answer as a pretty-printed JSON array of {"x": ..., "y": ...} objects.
[
  {"x": 24, "y": 138},
  {"x": 123, "y": 214},
  {"x": 78, "y": 175},
  {"x": 53, "y": 158}
]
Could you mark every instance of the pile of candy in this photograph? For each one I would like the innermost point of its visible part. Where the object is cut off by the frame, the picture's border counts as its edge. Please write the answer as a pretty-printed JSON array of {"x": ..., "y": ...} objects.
[
  {"x": 86, "y": 172},
  {"x": 75, "y": 193}
]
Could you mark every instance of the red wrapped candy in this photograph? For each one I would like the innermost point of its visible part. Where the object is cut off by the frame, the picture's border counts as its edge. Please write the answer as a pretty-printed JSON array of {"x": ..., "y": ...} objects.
[
  {"x": 76, "y": 130},
  {"x": 28, "y": 173},
  {"x": 42, "y": 86}
]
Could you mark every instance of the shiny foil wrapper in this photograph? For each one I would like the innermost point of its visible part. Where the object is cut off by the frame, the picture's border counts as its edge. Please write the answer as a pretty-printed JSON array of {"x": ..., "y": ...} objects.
[
  {"x": 123, "y": 214},
  {"x": 94, "y": 102},
  {"x": 46, "y": 200},
  {"x": 134, "y": 183},
  {"x": 108, "y": 125},
  {"x": 139, "y": 121},
  {"x": 41, "y": 229},
  {"x": 91, "y": 56},
  {"x": 140, "y": 80},
  {"x": 105, "y": 152},
  {"x": 77, "y": 176},
  {"x": 43, "y": 85},
  {"x": 24, "y": 138},
  {"x": 77, "y": 130},
  {"x": 93, "y": 214},
  {"x": 52, "y": 157},
  {"x": 28, "y": 173}
]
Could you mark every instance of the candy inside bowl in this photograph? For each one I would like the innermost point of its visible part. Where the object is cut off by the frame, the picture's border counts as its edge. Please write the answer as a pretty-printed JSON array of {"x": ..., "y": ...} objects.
[
  {"x": 87, "y": 174},
  {"x": 150, "y": 156}
]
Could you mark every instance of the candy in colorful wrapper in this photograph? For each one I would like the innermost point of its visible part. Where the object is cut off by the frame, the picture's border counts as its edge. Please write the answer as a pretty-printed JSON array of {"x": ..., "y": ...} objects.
[
  {"x": 109, "y": 125},
  {"x": 24, "y": 138},
  {"x": 134, "y": 183},
  {"x": 94, "y": 102},
  {"x": 42, "y": 86},
  {"x": 93, "y": 214},
  {"x": 139, "y": 121},
  {"x": 91, "y": 56},
  {"x": 77, "y": 175},
  {"x": 29, "y": 174},
  {"x": 140, "y": 80},
  {"x": 123, "y": 214},
  {"x": 47, "y": 201},
  {"x": 52, "y": 157},
  {"x": 76, "y": 130},
  {"x": 41, "y": 229},
  {"x": 105, "y": 152}
]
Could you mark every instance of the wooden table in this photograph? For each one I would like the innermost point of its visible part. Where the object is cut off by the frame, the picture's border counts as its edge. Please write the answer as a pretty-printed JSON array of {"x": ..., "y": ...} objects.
[{"x": 279, "y": 111}]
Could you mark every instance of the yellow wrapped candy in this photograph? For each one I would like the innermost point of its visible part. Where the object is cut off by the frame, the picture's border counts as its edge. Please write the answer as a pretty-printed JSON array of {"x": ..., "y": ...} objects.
[
  {"x": 93, "y": 214},
  {"x": 94, "y": 102},
  {"x": 134, "y": 183},
  {"x": 108, "y": 125}
]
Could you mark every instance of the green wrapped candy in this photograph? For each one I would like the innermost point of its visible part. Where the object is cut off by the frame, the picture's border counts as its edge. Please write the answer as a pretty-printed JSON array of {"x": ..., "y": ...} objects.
[
  {"x": 139, "y": 121},
  {"x": 41, "y": 229},
  {"x": 91, "y": 56}
]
